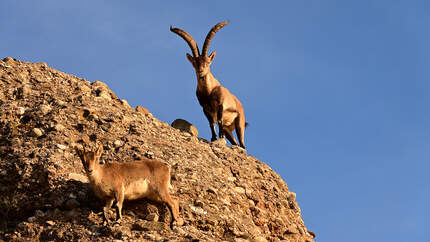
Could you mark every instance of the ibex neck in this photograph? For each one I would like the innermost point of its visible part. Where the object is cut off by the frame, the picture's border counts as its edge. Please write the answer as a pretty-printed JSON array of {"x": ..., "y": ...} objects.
[
  {"x": 207, "y": 83},
  {"x": 95, "y": 176}
]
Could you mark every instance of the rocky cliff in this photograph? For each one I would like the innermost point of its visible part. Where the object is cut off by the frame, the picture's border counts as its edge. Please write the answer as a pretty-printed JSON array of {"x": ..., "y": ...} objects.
[{"x": 224, "y": 194}]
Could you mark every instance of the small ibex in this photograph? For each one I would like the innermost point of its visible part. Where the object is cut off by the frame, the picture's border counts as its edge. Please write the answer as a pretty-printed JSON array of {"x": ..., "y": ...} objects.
[
  {"x": 117, "y": 181},
  {"x": 219, "y": 105}
]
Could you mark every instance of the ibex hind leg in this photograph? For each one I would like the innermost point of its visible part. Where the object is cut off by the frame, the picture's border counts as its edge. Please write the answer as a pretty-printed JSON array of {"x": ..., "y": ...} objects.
[
  {"x": 230, "y": 137},
  {"x": 172, "y": 205},
  {"x": 240, "y": 132}
]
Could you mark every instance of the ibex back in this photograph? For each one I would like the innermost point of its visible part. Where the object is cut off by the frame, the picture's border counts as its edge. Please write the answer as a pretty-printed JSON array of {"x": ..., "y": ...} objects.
[{"x": 219, "y": 105}]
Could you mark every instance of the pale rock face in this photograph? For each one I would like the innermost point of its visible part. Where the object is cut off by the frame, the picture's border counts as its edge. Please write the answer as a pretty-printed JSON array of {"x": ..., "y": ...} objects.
[{"x": 223, "y": 194}]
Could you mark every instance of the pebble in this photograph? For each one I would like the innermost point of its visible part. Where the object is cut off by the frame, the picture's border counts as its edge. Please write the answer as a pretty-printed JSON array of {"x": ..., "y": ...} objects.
[
  {"x": 31, "y": 219},
  {"x": 239, "y": 190},
  {"x": 179, "y": 221},
  {"x": 37, "y": 132},
  {"x": 20, "y": 111},
  {"x": 49, "y": 222},
  {"x": 117, "y": 143},
  {"x": 152, "y": 217},
  {"x": 142, "y": 110},
  {"x": 60, "y": 103},
  {"x": 291, "y": 197},
  {"x": 198, "y": 210},
  {"x": 231, "y": 178},
  {"x": 59, "y": 127},
  {"x": 39, "y": 213},
  {"x": 45, "y": 109},
  {"x": 61, "y": 147},
  {"x": 226, "y": 201}
]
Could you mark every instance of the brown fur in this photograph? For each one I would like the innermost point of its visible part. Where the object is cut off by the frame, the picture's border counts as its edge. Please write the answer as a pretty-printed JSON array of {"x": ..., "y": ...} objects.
[
  {"x": 219, "y": 105},
  {"x": 128, "y": 181}
]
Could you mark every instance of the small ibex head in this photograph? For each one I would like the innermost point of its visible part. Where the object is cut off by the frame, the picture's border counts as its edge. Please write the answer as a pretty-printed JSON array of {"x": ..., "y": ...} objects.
[
  {"x": 200, "y": 62},
  {"x": 89, "y": 158}
]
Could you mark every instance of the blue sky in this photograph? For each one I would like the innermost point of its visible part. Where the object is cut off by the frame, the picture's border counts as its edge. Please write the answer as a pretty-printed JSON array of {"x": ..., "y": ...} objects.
[{"x": 336, "y": 92}]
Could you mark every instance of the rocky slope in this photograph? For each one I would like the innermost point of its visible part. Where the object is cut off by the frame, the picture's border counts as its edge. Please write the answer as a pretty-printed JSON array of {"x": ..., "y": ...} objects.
[{"x": 224, "y": 193}]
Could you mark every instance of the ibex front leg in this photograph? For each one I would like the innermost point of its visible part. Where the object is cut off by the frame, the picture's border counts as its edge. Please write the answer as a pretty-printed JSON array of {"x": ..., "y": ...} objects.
[{"x": 211, "y": 125}]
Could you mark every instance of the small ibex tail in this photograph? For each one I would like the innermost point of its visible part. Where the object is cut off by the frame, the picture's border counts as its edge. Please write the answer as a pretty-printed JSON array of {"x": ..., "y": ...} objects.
[
  {"x": 117, "y": 181},
  {"x": 219, "y": 105}
]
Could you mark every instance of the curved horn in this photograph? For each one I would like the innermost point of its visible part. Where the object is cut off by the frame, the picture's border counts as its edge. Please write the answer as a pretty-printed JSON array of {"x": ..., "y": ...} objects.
[
  {"x": 188, "y": 39},
  {"x": 210, "y": 35}
]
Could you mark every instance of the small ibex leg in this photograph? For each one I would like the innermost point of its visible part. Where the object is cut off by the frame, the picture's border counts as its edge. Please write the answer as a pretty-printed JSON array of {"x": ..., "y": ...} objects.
[
  {"x": 119, "y": 202},
  {"x": 106, "y": 209}
]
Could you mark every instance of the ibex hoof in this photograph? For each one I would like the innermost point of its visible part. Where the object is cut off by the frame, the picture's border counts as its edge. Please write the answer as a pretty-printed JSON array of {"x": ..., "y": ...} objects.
[{"x": 118, "y": 221}]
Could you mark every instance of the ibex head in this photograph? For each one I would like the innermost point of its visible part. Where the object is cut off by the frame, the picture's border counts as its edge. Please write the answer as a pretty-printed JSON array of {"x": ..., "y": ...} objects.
[
  {"x": 89, "y": 158},
  {"x": 200, "y": 62}
]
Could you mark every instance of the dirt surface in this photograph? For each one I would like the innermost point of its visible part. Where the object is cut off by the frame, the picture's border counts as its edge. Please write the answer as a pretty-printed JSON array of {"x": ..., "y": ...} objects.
[{"x": 224, "y": 194}]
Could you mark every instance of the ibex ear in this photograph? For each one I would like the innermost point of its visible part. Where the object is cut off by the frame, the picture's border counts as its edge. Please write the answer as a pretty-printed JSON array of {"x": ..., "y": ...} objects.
[
  {"x": 80, "y": 152},
  {"x": 212, "y": 56},
  {"x": 190, "y": 58},
  {"x": 99, "y": 150}
]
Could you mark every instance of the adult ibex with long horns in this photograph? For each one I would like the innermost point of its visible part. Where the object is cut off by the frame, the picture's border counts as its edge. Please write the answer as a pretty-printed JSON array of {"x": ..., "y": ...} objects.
[{"x": 219, "y": 105}]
